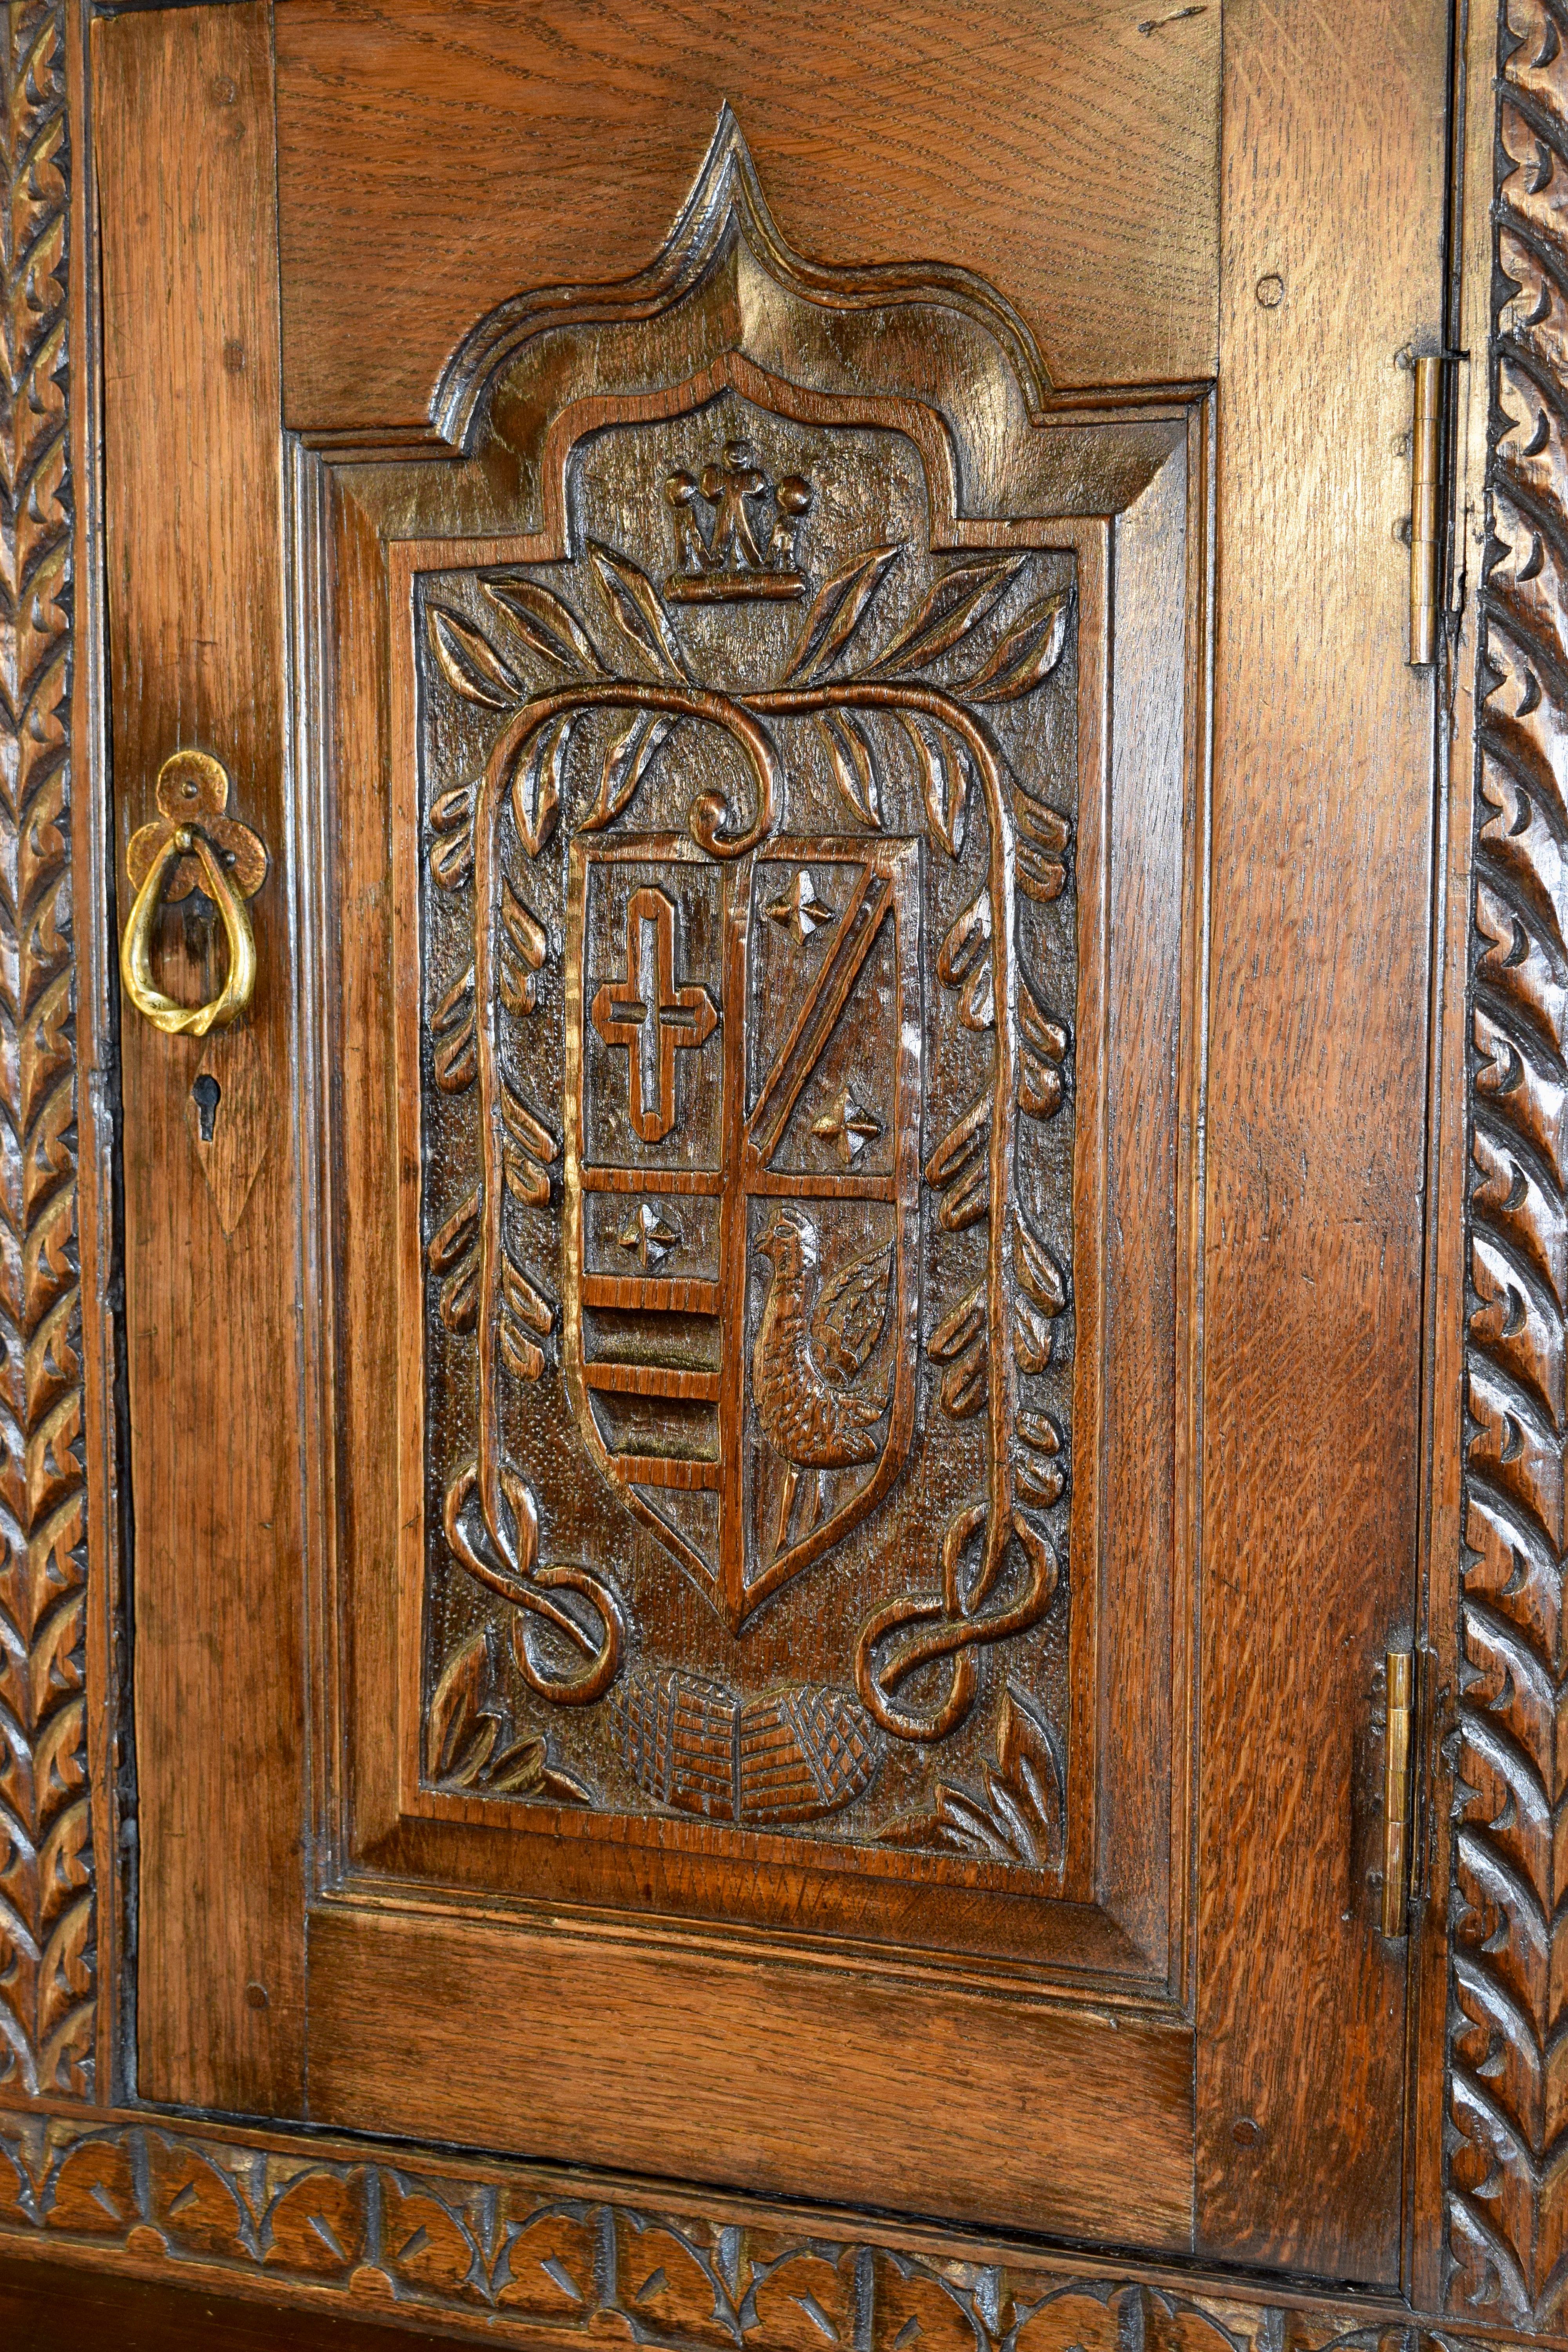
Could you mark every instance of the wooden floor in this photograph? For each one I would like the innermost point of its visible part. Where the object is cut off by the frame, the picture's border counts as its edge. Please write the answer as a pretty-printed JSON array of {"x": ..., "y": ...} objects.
[{"x": 51, "y": 2307}]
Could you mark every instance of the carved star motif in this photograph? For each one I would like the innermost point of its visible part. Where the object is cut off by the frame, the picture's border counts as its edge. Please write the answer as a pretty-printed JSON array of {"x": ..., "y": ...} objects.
[
  {"x": 649, "y": 1235},
  {"x": 800, "y": 909},
  {"x": 848, "y": 1124}
]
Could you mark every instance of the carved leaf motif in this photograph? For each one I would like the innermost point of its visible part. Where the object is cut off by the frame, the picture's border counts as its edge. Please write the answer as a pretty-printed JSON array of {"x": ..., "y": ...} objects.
[
  {"x": 953, "y": 606},
  {"x": 964, "y": 1384},
  {"x": 528, "y": 1304},
  {"x": 853, "y": 760},
  {"x": 977, "y": 1003},
  {"x": 521, "y": 1354},
  {"x": 1041, "y": 878},
  {"x": 1043, "y": 1047},
  {"x": 452, "y": 1025},
  {"x": 1026, "y": 654},
  {"x": 456, "y": 1237},
  {"x": 546, "y": 625},
  {"x": 522, "y": 1771},
  {"x": 536, "y": 786},
  {"x": 966, "y": 942},
  {"x": 1017, "y": 1815},
  {"x": 458, "y": 1738},
  {"x": 1038, "y": 1478},
  {"x": 470, "y": 663},
  {"x": 463, "y": 1729},
  {"x": 1031, "y": 1336},
  {"x": 525, "y": 943},
  {"x": 1042, "y": 837},
  {"x": 460, "y": 1301},
  {"x": 529, "y": 1150},
  {"x": 1036, "y": 1269},
  {"x": 960, "y": 1343},
  {"x": 958, "y": 1166},
  {"x": 523, "y": 1304},
  {"x": 524, "y": 1181},
  {"x": 452, "y": 821},
  {"x": 628, "y": 756},
  {"x": 956, "y": 1330},
  {"x": 945, "y": 782},
  {"x": 638, "y": 610},
  {"x": 836, "y": 611}
]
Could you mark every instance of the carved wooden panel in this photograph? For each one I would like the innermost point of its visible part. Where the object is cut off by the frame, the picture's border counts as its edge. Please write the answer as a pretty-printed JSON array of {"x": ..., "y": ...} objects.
[
  {"x": 759, "y": 1025},
  {"x": 752, "y": 886},
  {"x": 46, "y": 1921}
]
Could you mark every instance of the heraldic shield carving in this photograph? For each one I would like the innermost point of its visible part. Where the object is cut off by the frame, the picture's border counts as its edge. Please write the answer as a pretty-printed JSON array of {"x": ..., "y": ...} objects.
[
  {"x": 740, "y": 1226},
  {"x": 749, "y": 903}
]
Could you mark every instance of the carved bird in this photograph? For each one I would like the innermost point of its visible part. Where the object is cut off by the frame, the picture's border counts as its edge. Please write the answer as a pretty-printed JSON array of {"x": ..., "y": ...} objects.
[{"x": 800, "y": 1372}]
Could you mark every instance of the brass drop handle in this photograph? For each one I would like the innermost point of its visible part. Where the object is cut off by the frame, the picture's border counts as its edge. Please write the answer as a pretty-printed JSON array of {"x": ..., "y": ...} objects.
[{"x": 192, "y": 844}]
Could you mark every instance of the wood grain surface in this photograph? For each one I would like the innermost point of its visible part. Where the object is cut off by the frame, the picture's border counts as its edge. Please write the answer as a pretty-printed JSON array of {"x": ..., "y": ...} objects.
[
  {"x": 808, "y": 2081},
  {"x": 1317, "y": 1101},
  {"x": 193, "y": 557},
  {"x": 433, "y": 159}
]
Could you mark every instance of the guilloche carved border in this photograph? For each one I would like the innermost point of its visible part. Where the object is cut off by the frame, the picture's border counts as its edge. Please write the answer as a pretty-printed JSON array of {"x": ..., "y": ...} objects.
[
  {"x": 1508, "y": 2088},
  {"x": 47, "y": 1912}
]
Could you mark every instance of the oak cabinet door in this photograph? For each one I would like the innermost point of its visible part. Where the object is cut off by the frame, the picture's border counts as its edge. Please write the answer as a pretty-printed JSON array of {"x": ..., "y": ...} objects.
[{"x": 774, "y": 1370}]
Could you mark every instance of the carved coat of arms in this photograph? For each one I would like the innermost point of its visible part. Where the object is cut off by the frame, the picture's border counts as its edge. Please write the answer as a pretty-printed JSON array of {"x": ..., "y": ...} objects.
[
  {"x": 740, "y": 823},
  {"x": 742, "y": 1174}
]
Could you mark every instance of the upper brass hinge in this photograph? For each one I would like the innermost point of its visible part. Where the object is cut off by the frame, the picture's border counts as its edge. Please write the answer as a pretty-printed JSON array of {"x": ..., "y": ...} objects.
[
  {"x": 1426, "y": 514},
  {"x": 1398, "y": 1791}
]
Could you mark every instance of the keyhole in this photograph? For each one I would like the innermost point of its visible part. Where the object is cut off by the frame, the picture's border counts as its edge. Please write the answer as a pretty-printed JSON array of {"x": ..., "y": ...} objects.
[{"x": 208, "y": 1094}]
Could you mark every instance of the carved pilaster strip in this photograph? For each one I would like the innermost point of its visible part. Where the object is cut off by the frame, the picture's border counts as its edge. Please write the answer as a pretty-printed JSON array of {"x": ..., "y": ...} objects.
[
  {"x": 45, "y": 1887},
  {"x": 1508, "y": 2101}
]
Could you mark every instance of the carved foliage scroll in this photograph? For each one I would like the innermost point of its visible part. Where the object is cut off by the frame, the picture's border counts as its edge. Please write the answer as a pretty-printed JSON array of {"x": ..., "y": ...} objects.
[
  {"x": 45, "y": 1894},
  {"x": 1508, "y": 2157},
  {"x": 748, "y": 1052}
]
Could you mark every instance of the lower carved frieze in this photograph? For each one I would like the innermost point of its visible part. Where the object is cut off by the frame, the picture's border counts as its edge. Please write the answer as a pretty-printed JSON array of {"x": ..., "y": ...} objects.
[{"x": 520, "y": 2258}]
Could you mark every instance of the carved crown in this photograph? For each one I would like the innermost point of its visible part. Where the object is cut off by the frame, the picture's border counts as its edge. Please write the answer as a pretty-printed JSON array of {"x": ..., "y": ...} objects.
[{"x": 735, "y": 531}]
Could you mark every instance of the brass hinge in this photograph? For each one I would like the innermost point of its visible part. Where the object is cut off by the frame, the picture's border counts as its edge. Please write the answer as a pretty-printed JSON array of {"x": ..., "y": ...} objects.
[
  {"x": 1398, "y": 1796},
  {"x": 1427, "y": 510}
]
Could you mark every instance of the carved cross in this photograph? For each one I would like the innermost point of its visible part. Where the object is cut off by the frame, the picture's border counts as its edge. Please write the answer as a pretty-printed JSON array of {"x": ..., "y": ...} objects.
[{"x": 652, "y": 1013}]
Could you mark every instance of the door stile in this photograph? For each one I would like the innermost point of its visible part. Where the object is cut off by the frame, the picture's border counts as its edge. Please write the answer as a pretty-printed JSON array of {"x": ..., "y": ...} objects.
[
  {"x": 1316, "y": 1124},
  {"x": 184, "y": 112}
]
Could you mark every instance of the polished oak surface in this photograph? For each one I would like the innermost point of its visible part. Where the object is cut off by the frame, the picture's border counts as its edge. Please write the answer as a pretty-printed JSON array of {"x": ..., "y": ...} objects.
[
  {"x": 775, "y": 1394},
  {"x": 904, "y": 134}
]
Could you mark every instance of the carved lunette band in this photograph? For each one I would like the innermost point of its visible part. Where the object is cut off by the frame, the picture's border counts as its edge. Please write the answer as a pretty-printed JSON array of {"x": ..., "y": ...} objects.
[{"x": 510, "y": 2258}]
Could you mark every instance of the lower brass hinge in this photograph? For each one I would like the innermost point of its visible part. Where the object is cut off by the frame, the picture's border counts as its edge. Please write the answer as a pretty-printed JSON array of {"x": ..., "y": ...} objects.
[
  {"x": 1399, "y": 1670},
  {"x": 1426, "y": 511}
]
